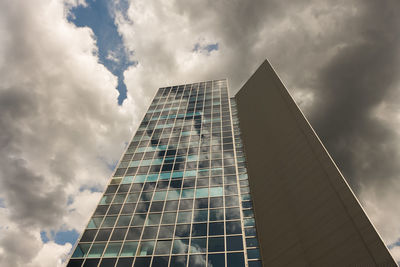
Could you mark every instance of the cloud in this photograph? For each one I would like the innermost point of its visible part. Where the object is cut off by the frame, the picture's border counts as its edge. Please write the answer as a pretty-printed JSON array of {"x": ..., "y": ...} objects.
[
  {"x": 61, "y": 125},
  {"x": 396, "y": 254}
]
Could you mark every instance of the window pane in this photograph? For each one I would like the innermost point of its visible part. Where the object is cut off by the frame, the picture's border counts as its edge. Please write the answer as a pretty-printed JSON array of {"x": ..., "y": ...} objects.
[
  {"x": 216, "y": 191},
  {"x": 198, "y": 245},
  {"x": 184, "y": 217},
  {"x": 119, "y": 198},
  {"x": 129, "y": 249},
  {"x": 169, "y": 218},
  {"x": 132, "y": 197},
  {"x": 138, "y": 219},
  {"x": 182, "y": 230},
  {"x": 145, "y": 248},
  {"x": 96, "y": 250},
  {"x": 112, "y": 250},
  {"x": 134, "y": 233},
  {"x": 199, "y": 229},
  {"x": 118, "y": 234},
  {"x": 163, "y": 247},
  {"x": 109, "y": 221},
  {"x": 200, "y": 215},
  {"x": 180, "y": 246},
  {"x": 216, "y": 228},
  {"x": 187, "y": 193},
  {"x": 234, "y": 243},
  {"x": 235, "y": 259},
  {"x": 81, "y": 250},
  {"x": 216, "y": 244},
  {"x": 166, "y": 231},
  {"x": 232, "y": 213},
  {"x": 201, "y": 192},
  {"x": 94, "y": 222},
  {"x": 173, "y": 194},
  {"x": 216, "y": 260},
  {"x": 251, "y": 242},
  {"x": 249, "y": 222},
  {"x": 103, "y": 234},
  {"x": 160, "y": 261},
  {"x": 250, "y": 231},
  {"x": 178, "y": 261},
  {"x": 106, "y": 199},
  {"x": 150, "y": 232},
  {"x": 197, "y": 261},
  {"x": 160, "y": 195},
  {"x": 124, "y": 220},
  {"x": 153, "y": 219},
  {"x": 233, "y": 227},
  {"x": 216, "y": 214},
  {"x": 253, "y": 253}
]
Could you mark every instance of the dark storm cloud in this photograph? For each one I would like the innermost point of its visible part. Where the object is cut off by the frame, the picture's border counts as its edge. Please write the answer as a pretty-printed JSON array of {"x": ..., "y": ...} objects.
[
  {"x": 360, "y": 77},
  {"x": 24, "y": 190}
]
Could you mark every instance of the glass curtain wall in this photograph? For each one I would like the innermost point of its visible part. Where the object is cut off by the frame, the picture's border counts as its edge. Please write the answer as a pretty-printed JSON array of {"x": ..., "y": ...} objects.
[{"x": 180, "y": 195}]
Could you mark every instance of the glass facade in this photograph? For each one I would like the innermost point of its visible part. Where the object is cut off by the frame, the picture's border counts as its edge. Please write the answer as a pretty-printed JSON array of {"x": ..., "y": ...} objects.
[{"x": 180, "y": 195}]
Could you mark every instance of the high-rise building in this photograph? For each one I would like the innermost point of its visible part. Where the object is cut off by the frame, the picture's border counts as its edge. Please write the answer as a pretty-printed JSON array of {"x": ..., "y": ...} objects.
[{"x": 209, "y": 180}]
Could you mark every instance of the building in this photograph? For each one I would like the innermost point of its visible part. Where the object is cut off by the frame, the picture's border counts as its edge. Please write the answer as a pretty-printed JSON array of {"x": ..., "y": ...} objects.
[{"x": 185, "y": 194}]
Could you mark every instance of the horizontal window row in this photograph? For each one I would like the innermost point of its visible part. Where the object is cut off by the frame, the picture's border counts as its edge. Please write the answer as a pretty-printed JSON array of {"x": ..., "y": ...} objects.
[
  {"x": 235, "y": 259},
  {"x": 206, "y": 96},
  {"x": 223, "y": 105},
  {"x": 179, "y": 126},
  {"x": 178, "y": 159},
  {"x": 161, "y": 193},
  {"x": 213, "y": 98},
  {"x": 181, "y": 150},
  {"x": 172, "y": 193},
  {"x": 153, "y": 174},
  {"x": 165, "y": 232},
  {"x": 173, "y": 171},
  {"x": 165, "y": 218},
  {"x": 198, "y": 156},
  {"x": 226, "y": 148},
  {"x": 219, "y": 127},
  {"x": 230, "y": 181},
  {"x": 161, "y": 247},
  {"x": 182, "y": 114},
  {"x": 171, "y": 205}
]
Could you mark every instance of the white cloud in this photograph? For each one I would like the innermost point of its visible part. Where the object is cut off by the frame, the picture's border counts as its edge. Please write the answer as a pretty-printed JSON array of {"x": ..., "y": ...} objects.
[
  {"x": 61, "y": 128},
  {"x": 51, "y": 255}
]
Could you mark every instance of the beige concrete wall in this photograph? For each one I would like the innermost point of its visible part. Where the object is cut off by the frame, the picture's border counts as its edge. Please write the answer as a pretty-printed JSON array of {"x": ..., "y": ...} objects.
[{"x": 306, "y": 214}]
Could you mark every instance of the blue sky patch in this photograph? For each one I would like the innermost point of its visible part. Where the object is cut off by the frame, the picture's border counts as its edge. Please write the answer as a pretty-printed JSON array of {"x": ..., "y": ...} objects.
[
  {"x": 395, "y": 244},
  {"x": 99, "y": 16},
  {"x": 205, "y": 48},
  {"x": 60, "y": 237},
  {"x": 92, "y": 189},
  {"x": 63, "y": 237},
  {"x": 44, "y": 237},
  {"x": 212, "y": 47}
]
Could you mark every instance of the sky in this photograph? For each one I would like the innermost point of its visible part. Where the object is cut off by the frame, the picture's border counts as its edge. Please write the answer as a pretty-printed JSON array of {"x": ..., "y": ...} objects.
[{"x": 77, "y": 76}]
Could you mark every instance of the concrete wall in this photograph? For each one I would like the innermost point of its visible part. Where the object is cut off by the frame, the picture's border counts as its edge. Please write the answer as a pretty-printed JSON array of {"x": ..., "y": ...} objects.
[{"x": 306, "y": 214}]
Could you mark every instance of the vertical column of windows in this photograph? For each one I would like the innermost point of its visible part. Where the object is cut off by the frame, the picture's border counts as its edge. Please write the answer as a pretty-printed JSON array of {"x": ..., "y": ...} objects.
[{"x": 251, "y": 242}]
